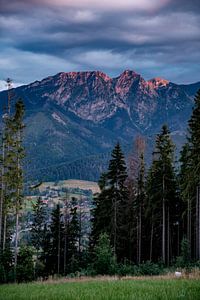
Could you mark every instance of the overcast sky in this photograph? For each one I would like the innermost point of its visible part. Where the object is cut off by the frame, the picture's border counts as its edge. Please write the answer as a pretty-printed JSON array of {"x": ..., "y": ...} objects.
[{"x": 156, "y": 38}]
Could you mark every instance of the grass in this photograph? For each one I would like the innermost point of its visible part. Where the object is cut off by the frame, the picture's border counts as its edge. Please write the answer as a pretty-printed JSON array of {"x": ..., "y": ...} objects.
[{"x": 143, "y": 289}]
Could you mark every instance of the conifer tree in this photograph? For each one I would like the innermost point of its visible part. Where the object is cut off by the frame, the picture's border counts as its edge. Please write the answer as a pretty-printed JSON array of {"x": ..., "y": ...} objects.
[
  {"x": 139, "y": 206},
  {"x": 190, "y": 173},
  {"x": 111, "y": 213},
  {"x": 12, "y": 172},
  {"x": 101, "y": 222},
  {"x": 73, "y": 237},
  {"x": 38, "y": 226},
  {"x": 162, "y": 197},
  {"x": 56, "y": 240},
  {"x": 16, "y": 166}
]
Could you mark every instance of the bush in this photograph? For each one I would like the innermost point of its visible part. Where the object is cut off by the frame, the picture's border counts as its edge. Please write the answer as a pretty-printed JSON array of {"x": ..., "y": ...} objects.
[
  {"x": 25, "y": 266},
  {"x": 149, "y": 268},
  {"x": 2, "y": 274},
  {"x": 183, "y": 261},
  {"x": 6, "y": 266},
  {"x": 127, "y": 268},
  {"x": 105, "y": 262},
  {"x": 39, "y": 269}
]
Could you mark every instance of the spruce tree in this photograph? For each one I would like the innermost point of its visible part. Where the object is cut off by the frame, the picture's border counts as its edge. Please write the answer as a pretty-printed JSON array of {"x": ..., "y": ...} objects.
[
  {"x": 111, "y": 213},
  {"x": 12, "y": 174},
  {"x": 136, "y": 188},
  {"x": 17, "y": 168},
  {"x": 101, "y": 222},
  {"x": 162, "y": 198},
  {"x": 191, "y": 179},
  {"x": 56, "y": 231},
  {"x": 139, "y": 206},
  {"x": 73, "y": 237},
  {"x": 38, "y": 226}
]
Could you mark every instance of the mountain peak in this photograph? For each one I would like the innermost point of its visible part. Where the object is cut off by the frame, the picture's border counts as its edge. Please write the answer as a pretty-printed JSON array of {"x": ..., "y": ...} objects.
[
  {"x": 83, "y": 74},
  {"x": 158, "y": 82},
  {"x": 129, "y": 73}
]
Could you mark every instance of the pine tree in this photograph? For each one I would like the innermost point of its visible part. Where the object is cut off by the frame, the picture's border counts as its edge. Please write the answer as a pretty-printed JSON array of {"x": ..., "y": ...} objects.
[
  {"x": 73, "y": 237},
  {"x": 111, "y": 213},
  {"x": 162, "y": 197},
  {"x": 12, "y": 173},
  {"x": 191, "y": 178},
  {"x": 101, "y": 222},
  {"x": 38, "y": 226},
  {"x": 104, "y": 262},
  {"x": 56, "y": 228},
  {"x": 17, "y": 171},
  {"x": 139, "y": 205},
  {"x": 186, "y": 191}
]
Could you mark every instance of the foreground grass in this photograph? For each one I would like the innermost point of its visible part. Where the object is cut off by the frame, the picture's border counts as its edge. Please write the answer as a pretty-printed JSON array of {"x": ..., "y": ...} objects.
[{"x": 108, "y": 290}]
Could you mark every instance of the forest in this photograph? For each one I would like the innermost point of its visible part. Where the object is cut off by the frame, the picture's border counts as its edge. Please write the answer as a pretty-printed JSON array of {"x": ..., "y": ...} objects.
[{"x": 143, "y": 221}]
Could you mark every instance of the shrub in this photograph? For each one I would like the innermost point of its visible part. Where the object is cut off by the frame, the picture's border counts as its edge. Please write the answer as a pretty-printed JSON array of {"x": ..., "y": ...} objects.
[
  {"x": 183, "y": 261},
  {"x": 149, "y": 268},
  {"x": 25, "y": 266},
  {"x": 2, "y": 274},
  {"x": 105, "y": 262}
]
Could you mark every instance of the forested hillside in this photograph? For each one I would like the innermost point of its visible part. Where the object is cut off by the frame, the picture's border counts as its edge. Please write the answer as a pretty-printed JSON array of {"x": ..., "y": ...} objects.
[
  {"x": 74, "y": 119},
  {"x": 143, "y": 220}
]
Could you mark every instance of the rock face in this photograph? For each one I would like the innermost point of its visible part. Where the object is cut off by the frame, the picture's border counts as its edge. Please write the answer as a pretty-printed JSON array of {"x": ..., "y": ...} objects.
[{"x": 74, "y": 118}]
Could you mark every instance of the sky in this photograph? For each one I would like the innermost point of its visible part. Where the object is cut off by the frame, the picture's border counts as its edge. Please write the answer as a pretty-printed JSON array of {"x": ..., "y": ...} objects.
[{"x": 156, "y": 38}]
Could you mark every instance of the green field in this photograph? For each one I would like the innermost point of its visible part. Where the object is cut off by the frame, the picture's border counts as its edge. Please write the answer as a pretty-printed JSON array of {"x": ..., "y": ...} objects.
[{"x": 112, "y": 290}]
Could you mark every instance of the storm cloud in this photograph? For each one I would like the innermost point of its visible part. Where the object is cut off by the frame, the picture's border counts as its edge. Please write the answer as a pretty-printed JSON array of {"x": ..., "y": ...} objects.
[{"x": 154, "y": 38}]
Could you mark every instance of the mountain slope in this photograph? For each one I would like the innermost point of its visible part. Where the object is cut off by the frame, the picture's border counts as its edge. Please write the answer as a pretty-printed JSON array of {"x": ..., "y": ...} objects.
[{"x": 74, "y": 119}]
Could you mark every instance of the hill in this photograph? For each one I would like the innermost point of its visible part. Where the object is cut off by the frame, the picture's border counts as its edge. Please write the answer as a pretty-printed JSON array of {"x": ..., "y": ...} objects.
[{"x": 74, "y": 119}]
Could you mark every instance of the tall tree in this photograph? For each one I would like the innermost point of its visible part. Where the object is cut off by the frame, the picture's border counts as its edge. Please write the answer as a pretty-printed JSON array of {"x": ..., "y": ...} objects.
[
  {"x": 38, "y": 226},
  {"x": 192, "y": 178},
  {"x": 111, "y": 213},
  {"x": 56, "y": 239},
  {"x": 73, "y": 237},
  {"x": 136, "y": 187},
  {"x": 162, "y": 196},
  {"x": 12, "y": 174},
  {"x": 17, "y": 126}
]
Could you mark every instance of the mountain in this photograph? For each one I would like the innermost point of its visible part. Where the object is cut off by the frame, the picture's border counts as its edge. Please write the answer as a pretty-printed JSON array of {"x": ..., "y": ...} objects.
[{"x": 74, "y": 119}]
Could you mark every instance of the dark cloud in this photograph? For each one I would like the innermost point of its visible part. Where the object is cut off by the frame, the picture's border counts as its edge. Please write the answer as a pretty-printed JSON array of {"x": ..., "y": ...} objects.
[
  {"x": 184, "y": 5},
  {"x": 46, "y": 38}
]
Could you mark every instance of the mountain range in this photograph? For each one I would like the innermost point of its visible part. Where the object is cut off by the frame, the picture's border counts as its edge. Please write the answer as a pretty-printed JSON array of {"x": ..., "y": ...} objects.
[{"x": 74, "y": 119}]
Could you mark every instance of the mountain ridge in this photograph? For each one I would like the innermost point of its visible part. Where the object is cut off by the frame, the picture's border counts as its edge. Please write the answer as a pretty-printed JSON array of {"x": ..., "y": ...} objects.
[{"x": 73, "y": 116}]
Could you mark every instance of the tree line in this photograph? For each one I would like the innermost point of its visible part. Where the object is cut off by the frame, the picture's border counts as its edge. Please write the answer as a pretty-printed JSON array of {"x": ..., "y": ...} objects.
[{"x": 143, "y": 216}]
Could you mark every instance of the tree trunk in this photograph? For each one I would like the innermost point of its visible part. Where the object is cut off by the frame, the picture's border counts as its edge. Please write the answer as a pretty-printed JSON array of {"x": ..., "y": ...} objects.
[
  {"x": 115, "y": 226},
  {"x": 168, "y": 238},
  {"x": 65, "y": 252},
  {"x": 80, "y": 231},
  {"x": 2, "y": 194},
  {"x": 4, "y": 231},
  {"x": 163, "y": 223},
  {"x": 58, "y": 266},
  {"x": 140, "y": 234},
  {"x": 189, "y": 223},
  {"x": 16, "y": 243},
  {"x": 197, "y": 223},
  {"x": 151, "y": 242}
]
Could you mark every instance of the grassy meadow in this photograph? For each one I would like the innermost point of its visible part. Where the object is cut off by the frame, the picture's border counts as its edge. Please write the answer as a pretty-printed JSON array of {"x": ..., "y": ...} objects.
[{"x": 139, "y": 289}]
